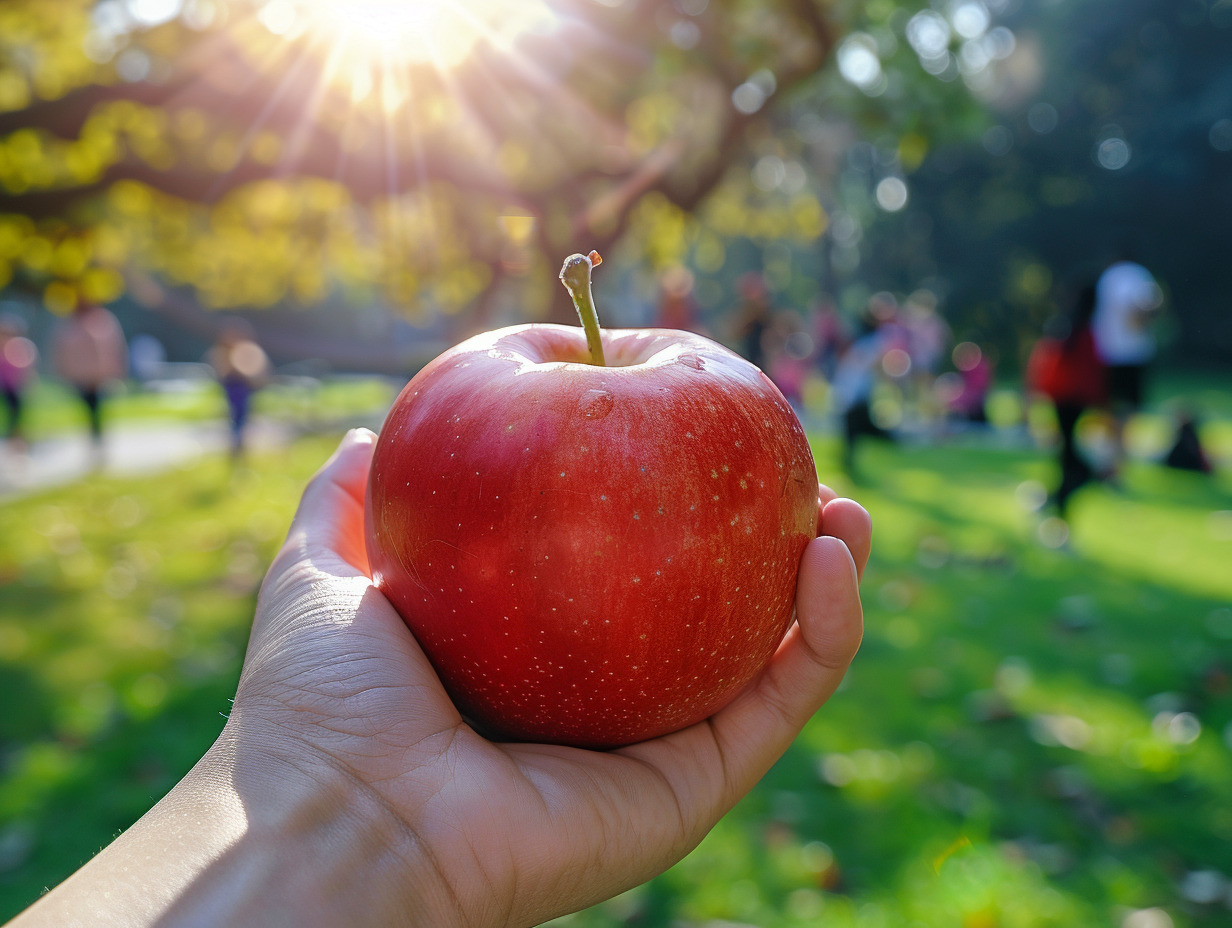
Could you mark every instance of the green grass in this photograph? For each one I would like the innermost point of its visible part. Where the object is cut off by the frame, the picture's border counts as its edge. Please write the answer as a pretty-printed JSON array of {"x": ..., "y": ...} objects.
[
  {"x": 124, "y": 608},
  {"x": 1031, "y": 735},
  {"x": 52, "y": 407}
]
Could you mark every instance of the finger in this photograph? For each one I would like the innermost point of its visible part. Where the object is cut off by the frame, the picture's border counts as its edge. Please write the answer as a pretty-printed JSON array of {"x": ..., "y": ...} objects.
[
  {"x": 824, "y": 496},
  {"x": 752, "y": 732},
  {"x": 849, "y": 522},
  {"x": 330, "y": 518}
]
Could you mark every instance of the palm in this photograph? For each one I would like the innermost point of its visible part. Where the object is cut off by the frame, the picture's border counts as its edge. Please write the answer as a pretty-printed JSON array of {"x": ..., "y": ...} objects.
[{"x": 332, "y": 665}]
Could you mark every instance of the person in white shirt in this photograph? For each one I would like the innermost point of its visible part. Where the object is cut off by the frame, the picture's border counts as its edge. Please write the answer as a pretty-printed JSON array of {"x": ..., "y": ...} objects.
[{"x": 1127, "y": 299}]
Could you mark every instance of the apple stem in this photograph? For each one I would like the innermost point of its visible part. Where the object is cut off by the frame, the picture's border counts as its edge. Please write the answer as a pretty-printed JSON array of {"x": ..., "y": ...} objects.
[{"x": 575, "y": 275}]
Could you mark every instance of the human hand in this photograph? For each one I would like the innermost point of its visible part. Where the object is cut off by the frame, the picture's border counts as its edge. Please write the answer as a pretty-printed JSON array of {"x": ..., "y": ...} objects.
[{"x": 340, "y": 715}]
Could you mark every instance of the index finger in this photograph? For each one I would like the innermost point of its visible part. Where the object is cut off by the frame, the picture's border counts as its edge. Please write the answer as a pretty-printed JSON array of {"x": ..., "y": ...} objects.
[
  {"x": 824, "y": 496},
  {"x": 848, "y": 521}
]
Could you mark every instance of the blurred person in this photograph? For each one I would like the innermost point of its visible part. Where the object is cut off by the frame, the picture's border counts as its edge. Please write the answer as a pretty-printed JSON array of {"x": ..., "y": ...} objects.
[
  {"x": 753, "y": 318},
  {"x": 885, "y": 309},
  {"x": 18, "y": 357},
  {"x": 346, "y": 789},
  {"x": 928, "y": 341},
  {"x": 90, "y": 352},
  {"x": 969, "y": 402},
  {"x": 146, "y": 357},
  {"x": 1127, "y": 300},
  {"x": 1066, "y": 367},
  {"x": 854, "y": 380},
  {"x": 829, "y": 337},
  {"x": 789, "y": 354},
  {"x": 677, "y": 307},
  {"x": 242, "y": 367}
]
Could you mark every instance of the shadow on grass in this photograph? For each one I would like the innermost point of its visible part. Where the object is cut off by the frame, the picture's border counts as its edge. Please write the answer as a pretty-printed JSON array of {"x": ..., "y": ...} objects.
[{"x": 1028, "y": 736}]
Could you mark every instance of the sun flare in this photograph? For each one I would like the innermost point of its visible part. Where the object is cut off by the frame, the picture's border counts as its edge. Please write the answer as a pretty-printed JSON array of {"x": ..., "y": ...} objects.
[{"x": 376, "y": 35}]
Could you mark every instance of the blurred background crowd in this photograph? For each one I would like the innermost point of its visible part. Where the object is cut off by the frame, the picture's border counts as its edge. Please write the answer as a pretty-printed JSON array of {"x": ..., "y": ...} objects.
[{"x": 978, "y": 244}]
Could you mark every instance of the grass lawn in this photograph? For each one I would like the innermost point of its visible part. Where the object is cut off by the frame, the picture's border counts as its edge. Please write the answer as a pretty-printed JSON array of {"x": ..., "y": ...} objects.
[
  {"x": 53, "y": 408},
  {"x": 1032, "y": 735}
]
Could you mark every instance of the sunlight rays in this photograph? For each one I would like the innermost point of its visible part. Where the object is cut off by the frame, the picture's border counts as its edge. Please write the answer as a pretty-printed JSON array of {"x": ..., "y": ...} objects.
[
  {"x": 393, "y": 92},
  {"x": 442, "y": 33},
  {"x": 431, "y": 122}
]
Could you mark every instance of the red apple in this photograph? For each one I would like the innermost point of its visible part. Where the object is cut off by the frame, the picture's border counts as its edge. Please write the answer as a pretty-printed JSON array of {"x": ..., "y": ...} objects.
[{"x": 591, "y": 555}]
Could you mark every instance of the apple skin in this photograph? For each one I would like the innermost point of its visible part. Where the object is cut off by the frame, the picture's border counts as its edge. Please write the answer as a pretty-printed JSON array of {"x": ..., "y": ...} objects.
[{"x": 591, "y": 555}]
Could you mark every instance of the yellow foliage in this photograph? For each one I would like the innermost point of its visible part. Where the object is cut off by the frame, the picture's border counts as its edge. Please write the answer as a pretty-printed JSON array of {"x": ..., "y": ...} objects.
[
  {"x": 25, "y": 148},
  {"x": 51, "y": 42},
  {"x": 517, "y": 228},
  {"x": 710, "y": 254},
  {"x": 83, "y": 164},
  {"x": 726, "y": 213},
  {"x": 323, "y": 196},
  {"x": 156, "y": 153},
  {"x": 14, "y": 91},
  {"x": 664, "y": 231},
  {"x": 130, "y": 198},
  {"x": 268, "y": 202},
  {"x": 70, "y": 258},
  {"x": 144, "y": 123},
  {"x": 912, "y": 149},
  {"x": 222, "y": 154},
  {"x": 308, "y": 282},
  {"x": 14, "y": 230},
  {"x": 402, "y": 286},
  {"x": 809, "y": 217},
  {"x": 60, "y": 297},
  {"x": 189, "y": 124},
  {"x": 101, "y": 285},
  {"x": 37, "y": 253},
  {"x": 651, "y": 119},
  {"x": 98, "y": 136},
  {"x": 111, "y": 245},
  {"x": 459, "y": 285}
]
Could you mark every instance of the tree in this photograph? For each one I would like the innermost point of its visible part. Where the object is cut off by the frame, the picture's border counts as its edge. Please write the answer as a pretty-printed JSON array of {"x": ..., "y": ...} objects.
[
  {"x": 1120, "y": 138},
  {"x": 253, "y": 153}
]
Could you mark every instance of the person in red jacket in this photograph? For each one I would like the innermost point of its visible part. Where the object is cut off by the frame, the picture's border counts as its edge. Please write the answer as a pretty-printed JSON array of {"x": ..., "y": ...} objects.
[{"x": 1068, "y": 371}]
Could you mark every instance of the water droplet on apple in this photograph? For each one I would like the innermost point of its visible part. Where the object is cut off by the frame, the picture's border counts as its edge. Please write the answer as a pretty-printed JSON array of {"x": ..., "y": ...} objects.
[
  {"x": 595, "y": 404},
  {"x": 691, "y": 360}
]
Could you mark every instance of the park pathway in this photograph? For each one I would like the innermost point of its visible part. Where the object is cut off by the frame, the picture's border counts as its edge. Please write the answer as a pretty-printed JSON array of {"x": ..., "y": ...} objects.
[{"x": 130, "y": 449}]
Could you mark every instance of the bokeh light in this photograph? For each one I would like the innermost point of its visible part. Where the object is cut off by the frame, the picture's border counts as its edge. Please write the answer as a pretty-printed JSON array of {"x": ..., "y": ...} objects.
[
  {"x": 891, "y": 194},
  {"x": 967, "y": 355},
  {"x": 1112, "y": 153},
  {"x": 858, "y": 61}
]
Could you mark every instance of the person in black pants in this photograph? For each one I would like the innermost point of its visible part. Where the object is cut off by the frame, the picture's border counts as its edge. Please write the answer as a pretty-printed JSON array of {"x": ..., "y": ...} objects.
[{"x": 1078, "y": 382}]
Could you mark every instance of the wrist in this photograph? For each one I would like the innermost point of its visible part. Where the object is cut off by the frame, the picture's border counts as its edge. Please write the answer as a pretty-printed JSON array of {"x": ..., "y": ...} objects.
[{"x": 313, "y": 846}]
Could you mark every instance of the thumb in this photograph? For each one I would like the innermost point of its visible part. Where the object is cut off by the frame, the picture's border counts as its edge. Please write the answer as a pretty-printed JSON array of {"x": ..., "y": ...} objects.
[
  {"x": 754, "y": 730},
  {"x": 330, "y": 517}
]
